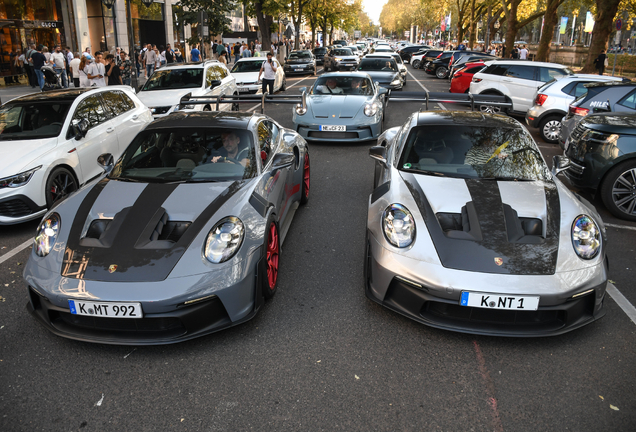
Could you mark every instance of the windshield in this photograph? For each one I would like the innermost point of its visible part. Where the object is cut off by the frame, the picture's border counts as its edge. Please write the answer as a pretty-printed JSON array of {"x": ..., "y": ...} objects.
[
  {"x": 342, "y": 52},
  {"x": 186, "y": 155},
  {"x": 32, "y": 120},
  {"x": 501, "y": 153},
  {"x": 343, "y": 85},
  {"x": 378, "y": 64},
  {"x": 397, "y": 58},
  {"x": 248, "y": 66},
  {"x": 320, "y": 50},
  {"x": 296, "y": 55},
  {"x": 168, "y": 79}
]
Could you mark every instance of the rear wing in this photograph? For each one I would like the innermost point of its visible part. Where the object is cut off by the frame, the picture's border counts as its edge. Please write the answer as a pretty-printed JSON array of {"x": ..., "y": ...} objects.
[
  {"x": 261, "y": 99},
  {"x": 451, "y": 98}
]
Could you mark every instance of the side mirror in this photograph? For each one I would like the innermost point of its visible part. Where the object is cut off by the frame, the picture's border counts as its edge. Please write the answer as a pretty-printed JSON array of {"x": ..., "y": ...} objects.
[
  {"x": 302, "y": 89},
  {"x": 382, "y": 91},
  {"x": 559, "y": 164},
  {"x": 378, "y": 153},
  {"x": 282, "y": 160},
  {"x": 376, "y": 84},
  {"x": 106, "y": 161},
  {"x": 81, "y": 129},
  {"x": 215, "y": 83}
]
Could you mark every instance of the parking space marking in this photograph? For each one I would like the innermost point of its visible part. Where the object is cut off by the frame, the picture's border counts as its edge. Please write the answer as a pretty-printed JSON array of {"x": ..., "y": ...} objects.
[
  {"x": 620, "y": 226},
  {"x": 621, "y": 301},
  {"x": 16, "y": 251},
  {"x": 425, "y": 89}
]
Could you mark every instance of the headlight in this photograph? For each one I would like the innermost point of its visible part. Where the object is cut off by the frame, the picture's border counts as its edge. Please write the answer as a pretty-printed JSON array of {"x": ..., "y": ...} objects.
[
  {"x": 47, "y": 235},
  {"x": 18, "y": 179},
  {"x": 586, "y": 237},
  {"x": 370, "y": 109},
  {"x": 224, "y": 240},
  {"x": 338, "y": 59},
  {"x": 398, "y": 225},
  {"x": 396, "y": 81},
  {"x": 300, "y": 110}
]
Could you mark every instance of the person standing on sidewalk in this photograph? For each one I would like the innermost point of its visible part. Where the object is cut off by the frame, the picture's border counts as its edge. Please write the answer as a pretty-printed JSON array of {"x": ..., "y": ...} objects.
[
  {"x": 195, "y": 54},
  {"x": 125, "y": 66},
  {"x": 96, "y": 72},
  {"x": 85, "y": 61},
  {"x": 39, "y": 60},
  {"x": 113, "y": 73},
  {"x": 268, "y": 70},
  {"x": 28, "y": 65},
  {"x": 169, "y": 54},
  {"x": 599, "y": 62},
  {"x": 57, "y": 61},
  {"x": 150, "y": 59},
  {"x": 75, "y": 70}
]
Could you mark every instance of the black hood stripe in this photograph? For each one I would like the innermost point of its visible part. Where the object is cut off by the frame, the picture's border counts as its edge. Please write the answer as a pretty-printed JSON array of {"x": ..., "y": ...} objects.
[
  {"x": 131, "y": 251},
  {"x": 479, "y": 254}
]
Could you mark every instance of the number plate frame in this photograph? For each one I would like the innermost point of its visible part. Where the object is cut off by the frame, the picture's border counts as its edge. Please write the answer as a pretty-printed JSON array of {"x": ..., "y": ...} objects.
[
  {"x": 106, "y": 309},
  {"x": 485, "y": 300},
  {"x": 333, "y": 128}
]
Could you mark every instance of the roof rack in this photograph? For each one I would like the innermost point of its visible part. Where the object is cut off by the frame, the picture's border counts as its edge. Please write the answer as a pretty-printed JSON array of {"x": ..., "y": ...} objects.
[
  {"x": 452, "y": 98},
  {"x": 188, "y": 99}
]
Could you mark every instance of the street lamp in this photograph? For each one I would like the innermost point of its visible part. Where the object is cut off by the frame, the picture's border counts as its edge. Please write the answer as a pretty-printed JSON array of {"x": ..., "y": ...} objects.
[
  {"x": 146, "y": 3},
  {"x": 108, "y": 3}
]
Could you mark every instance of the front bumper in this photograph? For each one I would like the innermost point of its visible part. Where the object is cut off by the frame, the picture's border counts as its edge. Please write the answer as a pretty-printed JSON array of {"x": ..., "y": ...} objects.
[
  {"x": 19, "y": 208},
  {"x": 299, "y": 70},
  {"x": 165, "y": 321},
  {"x": 404, "y": 286},
  {"x": 353, "y": 133}
]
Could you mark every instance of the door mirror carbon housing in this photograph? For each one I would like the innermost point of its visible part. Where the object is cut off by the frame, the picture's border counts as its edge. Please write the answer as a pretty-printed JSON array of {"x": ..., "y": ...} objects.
[
  {"x": 560, "y": 163},
  {"x": 378, "y": 153},
  {"x": 282, "y": 160},
  {"x": 106, "y": 161},
  {"x": 81, "y": 129}
]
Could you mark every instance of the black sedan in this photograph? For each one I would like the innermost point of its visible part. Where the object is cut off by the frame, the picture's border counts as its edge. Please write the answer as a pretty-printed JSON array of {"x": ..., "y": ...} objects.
[
  {"x": 439, "y": 66},
  {"x": 408, "y": 51},
  {"x": 300, "y": 62},
  {"x": 319, "y": 53}
]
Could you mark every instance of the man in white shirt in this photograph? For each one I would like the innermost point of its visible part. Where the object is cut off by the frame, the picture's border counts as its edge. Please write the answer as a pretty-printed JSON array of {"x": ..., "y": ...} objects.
[
  {"x": 331, "y": 87},
  {"x": 523, "y": 53},
  {"x": 57, "y": 61},
  {"x": 268, "y": 69},
  {"x": 75, "y": 69},
  {"x": 96, "y": 71}
]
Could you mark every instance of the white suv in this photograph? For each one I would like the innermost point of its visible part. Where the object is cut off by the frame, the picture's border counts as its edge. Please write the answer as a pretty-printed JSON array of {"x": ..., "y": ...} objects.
[
  {"x": 517, "y": 79},
  {"x": 164, "y": 89},
  {"x": 50, "y": 144}
]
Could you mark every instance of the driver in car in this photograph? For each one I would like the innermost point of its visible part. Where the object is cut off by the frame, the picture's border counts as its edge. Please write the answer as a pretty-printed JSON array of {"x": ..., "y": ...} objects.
[
  {"x": 356, "y": 86},
  {"x": 232, "y": 151},
  {"x": 331, "y": 87}
]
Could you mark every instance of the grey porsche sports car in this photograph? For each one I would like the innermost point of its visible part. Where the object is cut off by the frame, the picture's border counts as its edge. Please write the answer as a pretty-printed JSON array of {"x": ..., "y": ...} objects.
[
  {"x": 341, "y": 106},
  {"x": 182, "y": 237},
  {"x": 468, "y": 230}
]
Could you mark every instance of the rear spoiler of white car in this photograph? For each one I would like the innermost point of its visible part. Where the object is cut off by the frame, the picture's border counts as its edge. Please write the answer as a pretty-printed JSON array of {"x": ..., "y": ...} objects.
[
  {"x": 261, "y": 99},
  {"x": 452, "y": 98}
]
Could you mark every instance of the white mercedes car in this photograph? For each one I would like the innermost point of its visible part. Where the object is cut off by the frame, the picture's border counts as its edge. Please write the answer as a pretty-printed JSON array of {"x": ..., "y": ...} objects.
[{"x": 50, "y": 143}]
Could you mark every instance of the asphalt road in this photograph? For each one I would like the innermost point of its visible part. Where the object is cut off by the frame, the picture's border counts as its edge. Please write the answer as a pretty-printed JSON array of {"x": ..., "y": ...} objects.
[{"x": 320, "y": 356}]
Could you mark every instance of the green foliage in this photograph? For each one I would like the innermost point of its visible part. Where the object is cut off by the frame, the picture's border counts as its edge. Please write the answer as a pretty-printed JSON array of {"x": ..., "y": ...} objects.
[{"x": 217, "y": 21}]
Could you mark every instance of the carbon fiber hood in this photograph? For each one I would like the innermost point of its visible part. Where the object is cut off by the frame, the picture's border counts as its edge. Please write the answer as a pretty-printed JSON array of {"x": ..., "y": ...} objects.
[{"x": 116, "y": 233}]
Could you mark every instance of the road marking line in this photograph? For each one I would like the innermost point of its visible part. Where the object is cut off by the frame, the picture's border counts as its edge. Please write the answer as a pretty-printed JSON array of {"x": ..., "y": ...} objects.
[
  {"x": 621, "y": 226},
  {"x": 425, "y": 89},
  {"x": 621, "y": 301},
  {"x": 16, "y": 251}
]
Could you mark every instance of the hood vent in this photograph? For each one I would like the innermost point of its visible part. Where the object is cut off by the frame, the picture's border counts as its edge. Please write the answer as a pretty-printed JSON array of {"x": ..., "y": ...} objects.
[
  {"x": 522, "y": 230},
  {"x": 463, "y": 226}
]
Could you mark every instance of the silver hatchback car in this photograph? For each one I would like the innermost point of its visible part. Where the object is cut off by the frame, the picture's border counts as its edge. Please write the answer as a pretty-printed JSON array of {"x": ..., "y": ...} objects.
[{"x": 552, "y": 100}]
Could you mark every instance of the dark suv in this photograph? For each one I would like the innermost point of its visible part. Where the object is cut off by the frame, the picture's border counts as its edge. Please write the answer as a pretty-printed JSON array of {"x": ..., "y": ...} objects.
[
  {"x": 602, "y": 158},
  {"x": 439, "y": 66},
  {"x": 407, "y": 52},
  {"x": 319, "y": 53}
]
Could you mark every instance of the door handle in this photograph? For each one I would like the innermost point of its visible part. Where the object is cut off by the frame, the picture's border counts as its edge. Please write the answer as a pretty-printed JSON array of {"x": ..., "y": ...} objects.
[
  {"x": 135, "y": 117},
  {"x": 109, "y": 130}
]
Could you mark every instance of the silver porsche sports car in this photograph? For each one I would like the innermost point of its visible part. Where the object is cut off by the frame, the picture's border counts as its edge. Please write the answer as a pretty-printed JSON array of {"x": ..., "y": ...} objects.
[
  {"x": 181, "y": 238},
  {"x": 341, "y": 106},
  {"x": 468, "y": 230}
]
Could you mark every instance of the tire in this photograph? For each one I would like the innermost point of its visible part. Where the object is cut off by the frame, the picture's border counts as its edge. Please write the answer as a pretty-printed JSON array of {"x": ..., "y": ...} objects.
[
  {"x": 207, "y": 108},
  {"x": 60, "y": 184},
  {"x": 271, "y": 261},
  {"x": 304, "y": 196},
  {"x": 235, "y": 106},
  {"x": 550, "y": 128},
  {"x": 441, "y": 72},
  {"x": 416, "y": 64},
  {"x": 618, "y": 190},
  {"x": 284, "y": 86},
  {"x": 488, "y": 109}
]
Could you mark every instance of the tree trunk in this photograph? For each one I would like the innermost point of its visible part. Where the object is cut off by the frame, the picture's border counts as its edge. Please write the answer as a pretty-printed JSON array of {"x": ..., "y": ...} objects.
[
  {"x": 605, "y": 13},
  {"x": 550, "y": 21},
  {"x": 473, "y": 25},
  {"x": 246, "y": 22},
  {"x": 312, "y": 25},
  {"x": 264, "y": 24},
  {"x": 512, "y": 25}
]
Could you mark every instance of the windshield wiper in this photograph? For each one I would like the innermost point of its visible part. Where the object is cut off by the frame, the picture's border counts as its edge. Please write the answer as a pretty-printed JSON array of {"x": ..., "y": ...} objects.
[
  {"x": 435, "y": 173},
  {"x": 506, "y": 178}
]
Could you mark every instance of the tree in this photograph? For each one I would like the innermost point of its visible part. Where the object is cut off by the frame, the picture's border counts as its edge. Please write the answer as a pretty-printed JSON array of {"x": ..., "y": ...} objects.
[
  {"x": 216, "y": 10},
  {"x": 296, "y": 12},
  {"x": 511, "y": 10},
  {"x": 265, "y": 10},
  {"x": 550, "y": 20},
  {"x": 606, "y": 11}
]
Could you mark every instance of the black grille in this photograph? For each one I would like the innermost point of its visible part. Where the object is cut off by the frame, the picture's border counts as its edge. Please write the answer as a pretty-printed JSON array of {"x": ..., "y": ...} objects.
[
  {"x": 161, "y": 110},
  {"x": 162, "y": 325},
  {"x": 332, "y": 135},
  {"x": 14, "y": 208}
]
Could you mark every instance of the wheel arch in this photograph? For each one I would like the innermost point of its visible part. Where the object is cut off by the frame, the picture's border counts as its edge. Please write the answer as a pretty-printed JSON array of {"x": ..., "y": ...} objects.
[{"x": 631, "y": 157}]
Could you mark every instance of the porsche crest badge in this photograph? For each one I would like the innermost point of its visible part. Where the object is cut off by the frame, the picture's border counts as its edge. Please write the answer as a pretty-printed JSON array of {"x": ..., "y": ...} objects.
[
  {"x": 112, "y": 268},
  {"x": 498, "y": 261}
]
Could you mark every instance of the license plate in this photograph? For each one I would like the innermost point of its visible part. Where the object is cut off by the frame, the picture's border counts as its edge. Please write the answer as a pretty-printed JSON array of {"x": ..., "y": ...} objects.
[
  {"x": 243, "y": 89},
  {"x": 298, "y": 70},
  {"x": 333, "y": 128},
  {"x": 106, "y": 309},
  {"x": 498, "y": 301}
]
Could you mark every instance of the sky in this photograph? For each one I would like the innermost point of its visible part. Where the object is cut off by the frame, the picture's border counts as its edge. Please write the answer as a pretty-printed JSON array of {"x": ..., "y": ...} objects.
[{"x": 373, "y": 8}]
